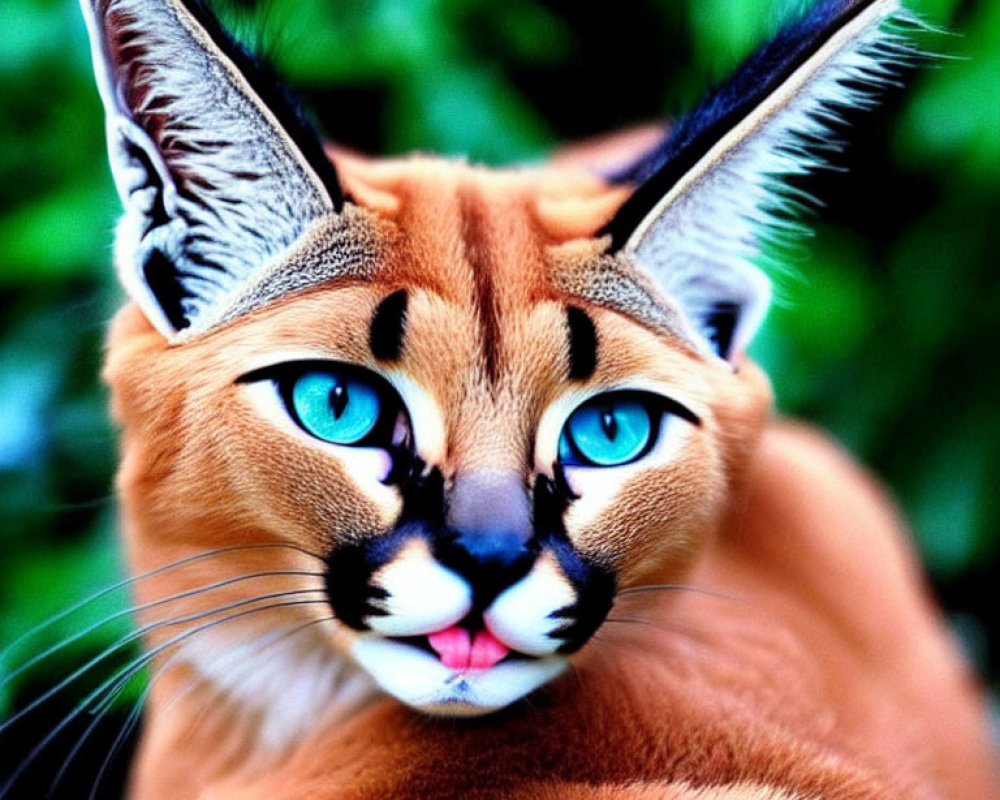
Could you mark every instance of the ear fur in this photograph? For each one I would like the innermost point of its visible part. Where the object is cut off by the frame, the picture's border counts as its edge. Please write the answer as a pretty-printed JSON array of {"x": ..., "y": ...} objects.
[
  {"x": 711, "y": 191},
  {"x": 215, "y": 181}
]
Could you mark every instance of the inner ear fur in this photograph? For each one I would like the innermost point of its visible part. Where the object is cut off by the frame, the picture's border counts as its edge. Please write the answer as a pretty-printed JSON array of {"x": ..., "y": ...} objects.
[
  {"x": 217, "y": 170},
  {"x": 711, "y": 193}
]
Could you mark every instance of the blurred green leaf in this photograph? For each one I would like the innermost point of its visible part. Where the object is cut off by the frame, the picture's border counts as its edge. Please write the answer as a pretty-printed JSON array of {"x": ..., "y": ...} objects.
[
  {"x": 724, "y": 32},
  {"x": 65, "y": 233},
  {"x": 952, "y": 125},
  {"x": 466, "y": 112}
]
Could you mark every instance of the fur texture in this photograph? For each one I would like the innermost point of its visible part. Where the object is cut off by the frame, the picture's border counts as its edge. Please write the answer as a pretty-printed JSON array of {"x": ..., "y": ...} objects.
[
  {"x": 805, "y": 662},
  {"x": 725, "y": 611}
]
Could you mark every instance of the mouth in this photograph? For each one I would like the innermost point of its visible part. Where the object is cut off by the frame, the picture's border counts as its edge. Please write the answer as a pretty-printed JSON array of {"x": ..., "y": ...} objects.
[
  {"x": 463, "y": 648},
  {"x": 462, "y": 670}
]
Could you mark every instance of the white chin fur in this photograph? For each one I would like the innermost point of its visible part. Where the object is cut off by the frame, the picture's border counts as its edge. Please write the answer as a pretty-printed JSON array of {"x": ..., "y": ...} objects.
[{"x": 420, "y": 680}]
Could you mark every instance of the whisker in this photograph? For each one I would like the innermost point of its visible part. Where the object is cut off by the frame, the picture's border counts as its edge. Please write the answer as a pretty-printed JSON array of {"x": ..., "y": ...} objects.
[
  {"x": 55, "y": 648},
  {"x": 255, "y": 647},
  {"x": 663, "y": 587},
  {"x": 576, "y": 674},
  {"x": 125, "y": 582},
  {"x": 131, "y": 637},
  {"x": 692, "y": 634},
  {"x": 631, "y": 620},
  {"x": 658, "y": 624},
  {"x": 127, "y": 728},
  {"x": 133, "y": 718},
  {"x": 98, "y": 718},
  {"x": 132, "y": 670},
  {"x": 145, "y": 658}
]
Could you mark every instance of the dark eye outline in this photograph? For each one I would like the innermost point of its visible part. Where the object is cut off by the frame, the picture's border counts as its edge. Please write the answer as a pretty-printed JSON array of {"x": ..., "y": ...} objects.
[
  {"x": 655, "y": 405},
  {"x": 285, "y": 374}
]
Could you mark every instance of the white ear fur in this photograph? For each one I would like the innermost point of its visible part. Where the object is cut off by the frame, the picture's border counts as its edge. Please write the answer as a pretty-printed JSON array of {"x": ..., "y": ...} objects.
[
  {"x": 723, "y": 299},
  {"x": 213, "y": 185},
  {"x": 702, "y": 240}
]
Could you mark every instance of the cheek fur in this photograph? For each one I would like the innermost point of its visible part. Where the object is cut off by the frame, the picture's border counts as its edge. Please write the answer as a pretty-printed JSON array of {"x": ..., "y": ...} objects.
[
  {"x": 599, "y": 490},
  {"x": 294, "y": 487},
  {"x": 302, "y": 472},
  {"x": 653, "y": 519}
]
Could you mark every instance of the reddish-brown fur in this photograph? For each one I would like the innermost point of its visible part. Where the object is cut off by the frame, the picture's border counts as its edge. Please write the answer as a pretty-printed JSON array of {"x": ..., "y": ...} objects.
[
  {"x": 805, "y": 659},
  {"x": 820, "y": 668}
]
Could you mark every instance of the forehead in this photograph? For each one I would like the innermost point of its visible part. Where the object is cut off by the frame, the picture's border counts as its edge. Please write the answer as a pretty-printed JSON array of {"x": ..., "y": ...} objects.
[
  {"x": 531, "y": 353},
  {"x": 478, "y": 413},
  {"x": 473, "y": 234},
  {"x": 492, "y": 241},
  {"x": 494, "y": 247},
  {"x": 469, "y": 281}
]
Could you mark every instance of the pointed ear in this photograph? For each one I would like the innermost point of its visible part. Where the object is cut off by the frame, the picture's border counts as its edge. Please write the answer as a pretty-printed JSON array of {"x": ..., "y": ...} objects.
[
  {"x": 215, "y": 181},
  {"x": 711, "y": 192}
]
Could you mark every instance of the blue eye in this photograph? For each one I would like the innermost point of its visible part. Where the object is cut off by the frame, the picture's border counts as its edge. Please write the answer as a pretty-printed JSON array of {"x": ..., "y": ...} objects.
[
  {"x": 609, "y": 430},
  {"x": 335, "y": 406},
  {"x": 341, "y": 403}
]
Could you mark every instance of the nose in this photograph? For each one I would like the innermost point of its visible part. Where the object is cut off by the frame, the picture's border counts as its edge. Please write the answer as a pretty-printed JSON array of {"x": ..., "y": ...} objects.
[{"x": 490, "y": 532}]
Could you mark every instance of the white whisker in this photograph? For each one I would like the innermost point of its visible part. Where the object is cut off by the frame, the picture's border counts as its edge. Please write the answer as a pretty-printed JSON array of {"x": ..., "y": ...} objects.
[
  {"x": 126, "y": 582},
  {"x": 250, "y": 649},
  {"x": 676, "y": 587},
  {"x": 55, "y": 648},
  {"x": 115, "y": 682}
]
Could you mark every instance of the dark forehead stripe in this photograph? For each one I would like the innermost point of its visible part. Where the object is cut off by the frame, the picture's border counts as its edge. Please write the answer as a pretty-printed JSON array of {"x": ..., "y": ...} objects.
[
  {"x": 388, "y": 327},
  {"x": 582, "y": 344},
  {"x": 480, "y": 255}
]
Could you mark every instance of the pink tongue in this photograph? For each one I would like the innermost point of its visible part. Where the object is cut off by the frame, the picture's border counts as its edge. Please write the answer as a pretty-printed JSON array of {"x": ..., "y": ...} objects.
[{"x": 458, "y": 650}]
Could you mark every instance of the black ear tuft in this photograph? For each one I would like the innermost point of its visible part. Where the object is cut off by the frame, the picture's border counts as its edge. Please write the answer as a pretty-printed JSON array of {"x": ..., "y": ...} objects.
[
  {"x": 722, "y": 108},
  {"x": 275, "y": 94},
  {"x": 711, "y": 192}
]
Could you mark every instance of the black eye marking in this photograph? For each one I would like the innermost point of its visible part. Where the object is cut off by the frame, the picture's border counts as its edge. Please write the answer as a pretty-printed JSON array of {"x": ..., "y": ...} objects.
[
  {"x": 582, "y": 344},
  {"x": 388, "y": 327}
]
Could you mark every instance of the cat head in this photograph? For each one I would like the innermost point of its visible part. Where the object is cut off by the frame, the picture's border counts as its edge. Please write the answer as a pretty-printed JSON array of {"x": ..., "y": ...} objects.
[{"x": 464, "y": 409}]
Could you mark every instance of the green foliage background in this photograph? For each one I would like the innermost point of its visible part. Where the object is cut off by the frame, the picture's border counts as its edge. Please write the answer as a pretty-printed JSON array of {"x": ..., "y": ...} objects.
[{"x": 885, "y": 332}]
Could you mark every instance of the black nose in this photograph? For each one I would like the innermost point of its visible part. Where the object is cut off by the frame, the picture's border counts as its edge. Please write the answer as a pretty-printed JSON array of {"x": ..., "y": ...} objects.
[
  {"x": 490, "y": 560},
  {"x": 489, "y": 536}
]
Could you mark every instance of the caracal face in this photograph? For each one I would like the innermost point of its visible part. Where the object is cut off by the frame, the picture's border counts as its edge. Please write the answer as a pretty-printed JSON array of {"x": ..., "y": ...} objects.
[
  {"x": 472, "y": 534},
  {"x": 431, "y": 419}
]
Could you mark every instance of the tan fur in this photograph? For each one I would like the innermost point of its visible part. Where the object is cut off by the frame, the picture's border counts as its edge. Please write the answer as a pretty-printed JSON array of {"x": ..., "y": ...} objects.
[{"x": 805, "y": 663}]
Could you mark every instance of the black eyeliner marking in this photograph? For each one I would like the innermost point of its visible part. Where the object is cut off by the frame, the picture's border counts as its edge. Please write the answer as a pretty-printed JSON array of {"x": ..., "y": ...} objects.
[
  {"x": 388, "y": 327},
  {"x": 559, "y": 487},
  {"x": 582, "y": 344},
  {"x": 673, "y": 407}
]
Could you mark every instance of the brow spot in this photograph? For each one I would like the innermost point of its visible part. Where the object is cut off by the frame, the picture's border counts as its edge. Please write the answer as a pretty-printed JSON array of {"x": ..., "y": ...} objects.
[
  {"x": 385, "y": 337},
  {"x": 582, "y": 344}
]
